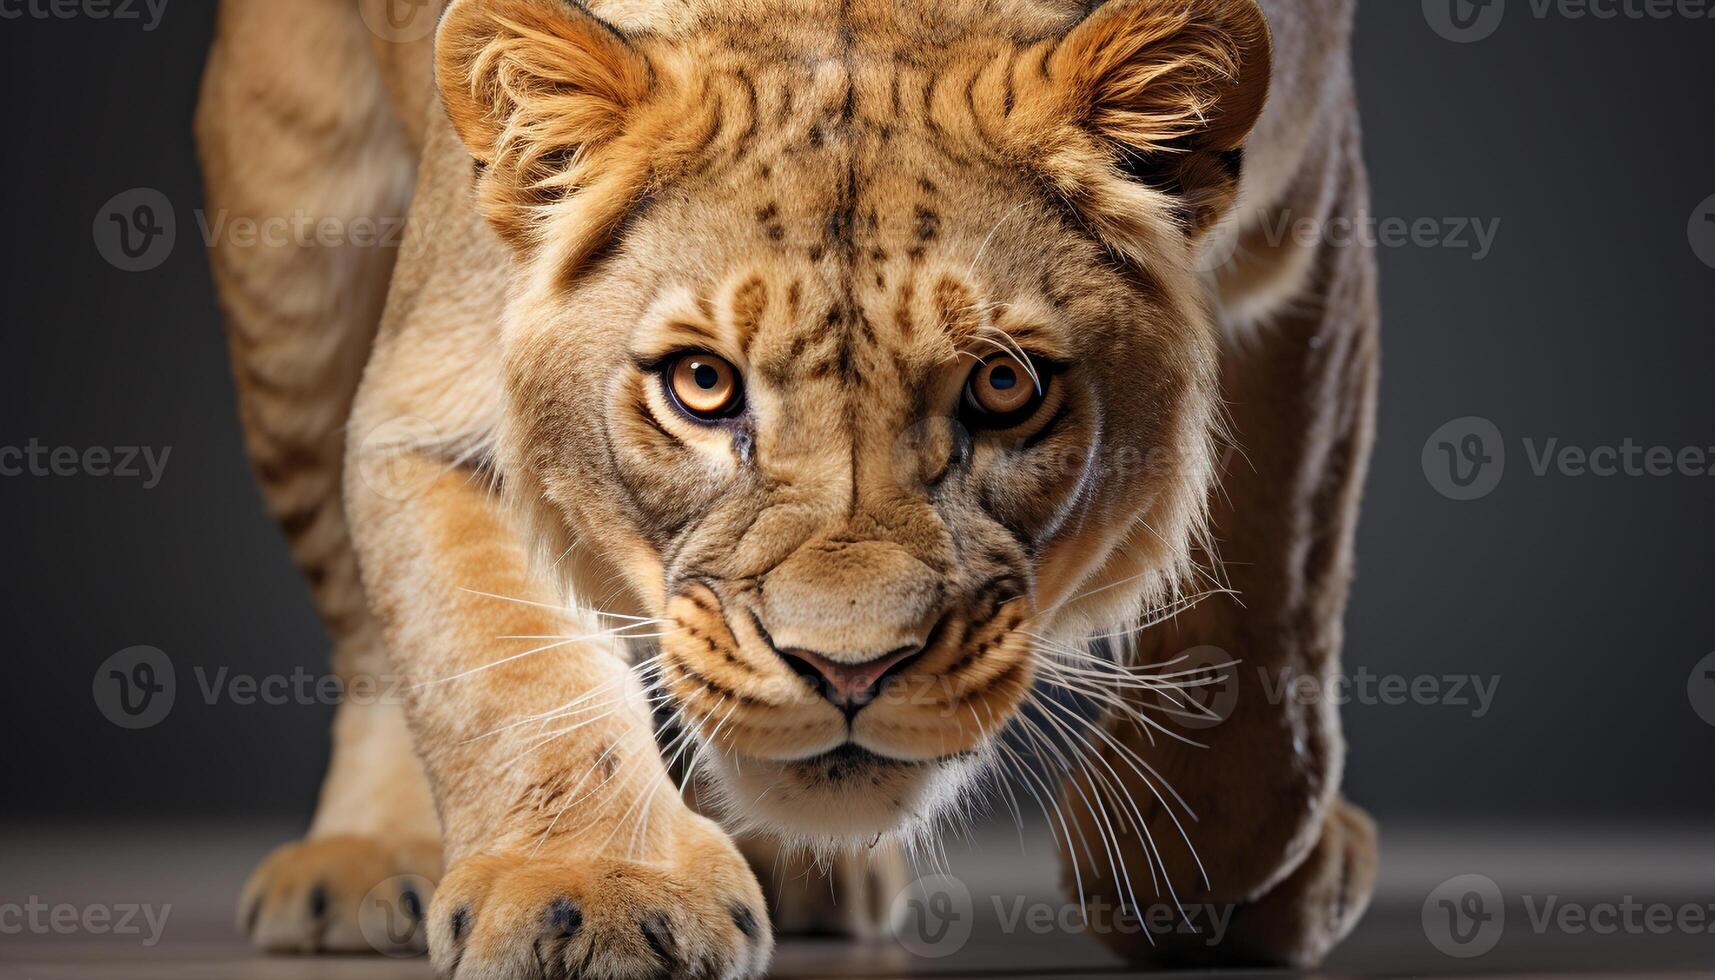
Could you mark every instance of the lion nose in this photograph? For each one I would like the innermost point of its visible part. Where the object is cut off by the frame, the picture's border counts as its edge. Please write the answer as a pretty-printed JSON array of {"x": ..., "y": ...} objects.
[
  {"x": 852, "y": 602},
  {"x": 849, "y": 686}
]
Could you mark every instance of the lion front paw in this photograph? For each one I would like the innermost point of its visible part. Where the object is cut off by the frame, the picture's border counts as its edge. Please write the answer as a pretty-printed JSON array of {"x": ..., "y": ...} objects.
[
  {"x": 553, "y": 916},
  {"x": 345, "y": 894}
]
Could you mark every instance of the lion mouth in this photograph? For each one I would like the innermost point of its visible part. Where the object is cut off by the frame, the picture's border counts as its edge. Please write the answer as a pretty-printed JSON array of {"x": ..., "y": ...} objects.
[
  {"x": 848, "y": 763},
  {"x": 889, "y": 717}
]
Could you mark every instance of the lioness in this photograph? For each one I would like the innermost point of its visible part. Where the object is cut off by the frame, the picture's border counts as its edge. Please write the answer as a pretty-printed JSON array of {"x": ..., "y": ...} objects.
[{"x": 832, "y": 380}]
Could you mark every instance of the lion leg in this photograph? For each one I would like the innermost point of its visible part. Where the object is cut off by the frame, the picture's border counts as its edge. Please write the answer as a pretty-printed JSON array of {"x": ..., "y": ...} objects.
[
  {"x": 1300, "y": 919},
  {"x": 848, "y": 896},
  {"x": 373, "y": 848},
  {"x": 1274, "y": 856},
  {"x": 569, "y": 850},
  {"x": 301, "y": 313}
]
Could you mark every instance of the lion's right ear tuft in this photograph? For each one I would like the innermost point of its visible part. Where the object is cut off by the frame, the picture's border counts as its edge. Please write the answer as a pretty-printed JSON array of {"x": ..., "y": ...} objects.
[
  {"x": 1173, "y": 87},
  {"x": 1167, "y": 76},
  {"x": 531, "y": 86}
]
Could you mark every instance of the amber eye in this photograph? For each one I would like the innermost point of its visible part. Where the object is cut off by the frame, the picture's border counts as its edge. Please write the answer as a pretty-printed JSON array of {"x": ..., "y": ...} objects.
[
  {"x": 705, "y": 386},
  {"x": 1003, "y": 390}
]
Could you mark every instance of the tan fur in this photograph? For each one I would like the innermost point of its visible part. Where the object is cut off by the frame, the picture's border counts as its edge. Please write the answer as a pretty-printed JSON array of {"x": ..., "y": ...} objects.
[
  {"x": 850, "y": 201},
  {"x": 277, "y": 141}
]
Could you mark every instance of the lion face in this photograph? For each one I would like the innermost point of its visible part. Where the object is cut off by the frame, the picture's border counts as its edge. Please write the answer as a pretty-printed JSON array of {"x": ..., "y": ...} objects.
[{"x": 870, "y": 365}]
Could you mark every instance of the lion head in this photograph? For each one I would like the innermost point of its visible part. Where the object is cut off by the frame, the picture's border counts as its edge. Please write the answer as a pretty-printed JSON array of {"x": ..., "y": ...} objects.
[{"x": 861, "y": 343}]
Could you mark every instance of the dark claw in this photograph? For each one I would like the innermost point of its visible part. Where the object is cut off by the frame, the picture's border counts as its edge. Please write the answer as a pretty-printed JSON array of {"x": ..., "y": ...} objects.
[
  {"x": 319, "y": 902},
  {"x": 460, "y": 919},
  {"x": 412, "y": 903},
  {"x": 745, "y": 919},
  {"x": 565, "y": 917},
  {"x": 659, "y": 935}
]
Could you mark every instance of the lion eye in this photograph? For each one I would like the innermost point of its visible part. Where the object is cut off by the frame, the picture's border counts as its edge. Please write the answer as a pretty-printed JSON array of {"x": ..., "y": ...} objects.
[
  {"x": 1004, "y": 389},
  {"x": 705, "y": 386}
]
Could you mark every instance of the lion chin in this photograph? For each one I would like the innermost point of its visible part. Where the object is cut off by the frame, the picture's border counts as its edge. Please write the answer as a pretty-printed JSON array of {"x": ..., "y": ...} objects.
[{"x": 843, "y": 800}]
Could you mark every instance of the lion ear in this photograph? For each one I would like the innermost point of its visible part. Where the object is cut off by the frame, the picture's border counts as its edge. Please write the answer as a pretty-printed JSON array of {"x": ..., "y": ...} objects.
[
  {"x": 531, "y": 86},
  {"x": 1174, "y": 86}
]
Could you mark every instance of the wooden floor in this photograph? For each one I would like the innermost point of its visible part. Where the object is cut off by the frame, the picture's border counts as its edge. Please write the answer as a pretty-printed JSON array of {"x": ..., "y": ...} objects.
[{"x": 197, "y": 871}]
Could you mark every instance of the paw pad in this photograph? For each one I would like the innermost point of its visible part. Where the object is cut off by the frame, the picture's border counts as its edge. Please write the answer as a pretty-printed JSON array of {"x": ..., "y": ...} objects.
[
  {"x": 658, "y": 933},
  {"x": 744, "y": 919},
  {"x": 565, "y": 917}
]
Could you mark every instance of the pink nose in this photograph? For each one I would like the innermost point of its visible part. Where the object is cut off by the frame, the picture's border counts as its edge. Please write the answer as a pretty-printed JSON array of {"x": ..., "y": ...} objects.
[{"x": 850, "y": 686}]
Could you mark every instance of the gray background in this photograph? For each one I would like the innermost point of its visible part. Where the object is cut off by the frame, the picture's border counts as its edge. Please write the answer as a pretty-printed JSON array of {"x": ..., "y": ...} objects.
[{"x": 1590, "y": 321}]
